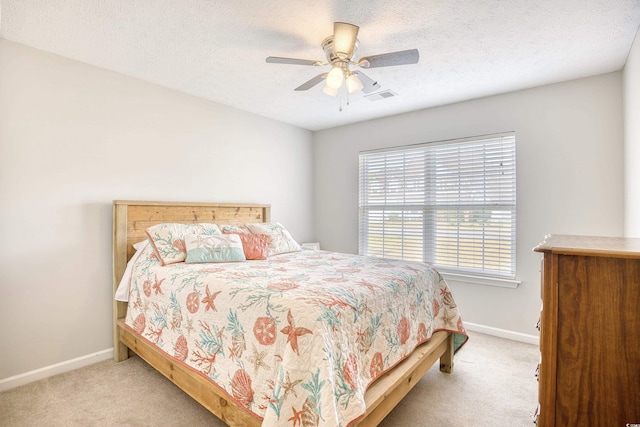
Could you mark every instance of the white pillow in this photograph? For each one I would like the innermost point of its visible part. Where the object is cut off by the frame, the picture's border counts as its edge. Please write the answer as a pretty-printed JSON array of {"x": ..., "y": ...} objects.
[
  {"x": 122, "y": 293},
  {"x": 280, "y": 241}
]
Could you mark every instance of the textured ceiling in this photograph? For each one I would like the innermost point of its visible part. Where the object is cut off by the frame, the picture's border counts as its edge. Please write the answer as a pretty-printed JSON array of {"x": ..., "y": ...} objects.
[{"x": 217, "y": 49}]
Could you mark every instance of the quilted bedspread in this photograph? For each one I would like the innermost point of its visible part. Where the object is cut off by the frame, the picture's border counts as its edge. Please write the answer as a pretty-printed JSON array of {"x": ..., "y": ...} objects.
[{"x": 295, "y": 339}]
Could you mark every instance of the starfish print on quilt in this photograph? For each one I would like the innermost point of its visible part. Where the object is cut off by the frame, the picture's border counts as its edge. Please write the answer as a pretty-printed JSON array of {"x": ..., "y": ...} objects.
[{"x": 293, "y": 332}]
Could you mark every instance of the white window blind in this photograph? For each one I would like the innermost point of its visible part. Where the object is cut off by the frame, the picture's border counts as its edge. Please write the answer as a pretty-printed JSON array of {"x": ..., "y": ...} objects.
[{"x": 451, "y": 204}]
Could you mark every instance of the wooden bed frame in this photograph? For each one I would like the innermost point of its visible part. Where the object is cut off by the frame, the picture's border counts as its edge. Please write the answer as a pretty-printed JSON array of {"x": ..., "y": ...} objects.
[{"x": 132, "y": 218}]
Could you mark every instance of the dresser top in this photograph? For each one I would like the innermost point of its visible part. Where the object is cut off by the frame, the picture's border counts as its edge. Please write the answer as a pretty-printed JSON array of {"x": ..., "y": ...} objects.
[{"x": 619, "y": 247}]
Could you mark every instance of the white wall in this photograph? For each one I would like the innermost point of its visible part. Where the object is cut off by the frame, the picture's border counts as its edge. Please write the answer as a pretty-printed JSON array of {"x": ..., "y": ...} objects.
[
  {"x": 631, "y": 79},
  {"x": 569, "y": 140},
  {"x": 75, "y": 137}
]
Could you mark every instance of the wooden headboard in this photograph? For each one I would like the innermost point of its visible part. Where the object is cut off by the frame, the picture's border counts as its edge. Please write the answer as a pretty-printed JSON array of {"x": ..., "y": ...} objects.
[{"x": 132, "y": 218}]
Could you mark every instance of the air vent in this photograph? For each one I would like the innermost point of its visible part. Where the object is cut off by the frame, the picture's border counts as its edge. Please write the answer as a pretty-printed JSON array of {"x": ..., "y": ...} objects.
[{"x": 381, "y": 95}]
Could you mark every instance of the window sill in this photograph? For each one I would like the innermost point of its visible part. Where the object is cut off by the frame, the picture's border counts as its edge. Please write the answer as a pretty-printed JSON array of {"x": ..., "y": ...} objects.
[{"x": 480, "y": 280}]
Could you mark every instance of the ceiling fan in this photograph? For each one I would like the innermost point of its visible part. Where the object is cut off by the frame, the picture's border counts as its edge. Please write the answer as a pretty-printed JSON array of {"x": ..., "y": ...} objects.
[{"x": 339, "y": 50}]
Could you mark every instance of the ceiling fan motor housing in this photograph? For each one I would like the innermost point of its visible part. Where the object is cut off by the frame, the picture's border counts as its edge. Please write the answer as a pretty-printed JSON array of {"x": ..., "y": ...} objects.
[{"x": 328, "y": 46}]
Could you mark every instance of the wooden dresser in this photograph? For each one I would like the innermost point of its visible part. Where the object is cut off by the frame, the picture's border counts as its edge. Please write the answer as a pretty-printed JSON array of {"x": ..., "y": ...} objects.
[{"x": 589, "y": 332}]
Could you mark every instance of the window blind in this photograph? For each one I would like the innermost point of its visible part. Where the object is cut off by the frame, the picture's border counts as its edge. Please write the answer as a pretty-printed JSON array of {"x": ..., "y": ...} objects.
[{"x": 451, "y": 204}]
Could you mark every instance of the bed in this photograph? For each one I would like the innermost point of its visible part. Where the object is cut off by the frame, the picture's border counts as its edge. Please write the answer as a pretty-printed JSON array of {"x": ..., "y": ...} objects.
[{"x": 365, "y": 385}]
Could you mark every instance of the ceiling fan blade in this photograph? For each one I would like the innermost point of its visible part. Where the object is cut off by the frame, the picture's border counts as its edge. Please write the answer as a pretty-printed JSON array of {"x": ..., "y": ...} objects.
[
  {"x": 311, "y": 83},
  {"x": 295, "y": 61},
  {"x": 401, "y": 57},
  {"x": 368, "y": 85},
  {"x": 344, "y": 39}
]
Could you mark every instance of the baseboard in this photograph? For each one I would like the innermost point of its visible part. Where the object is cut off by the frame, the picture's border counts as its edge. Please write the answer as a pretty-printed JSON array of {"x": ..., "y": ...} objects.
[
  {"x": 503, "y": 333},
  {"x": 58, "y": 368}
]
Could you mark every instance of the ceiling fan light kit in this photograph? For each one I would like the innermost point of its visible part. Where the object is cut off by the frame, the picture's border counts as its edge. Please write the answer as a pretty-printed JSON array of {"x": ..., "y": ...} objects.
[
  {"x": 354, "y": 85},
  {"x": 339, "y": 49},
  {"x": 328, "y": 90},
  {"x": 335, "y": 77}
]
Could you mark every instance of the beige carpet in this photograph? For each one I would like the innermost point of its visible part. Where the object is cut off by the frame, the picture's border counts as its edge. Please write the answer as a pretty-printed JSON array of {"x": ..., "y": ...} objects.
[{"x": 492, "y": 385}]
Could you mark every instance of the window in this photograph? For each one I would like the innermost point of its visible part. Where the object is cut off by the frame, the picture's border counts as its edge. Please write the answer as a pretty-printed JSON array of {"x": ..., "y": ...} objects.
[{"x": 451, "y": 204}]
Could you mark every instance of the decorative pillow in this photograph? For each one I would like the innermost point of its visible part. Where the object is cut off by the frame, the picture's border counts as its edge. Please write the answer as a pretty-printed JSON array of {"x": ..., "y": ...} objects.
[
  {"x": 255, "y": 246},
  {"x": 168, "y": 239},
  {"x": 229, "y": 228},
  {"x": 213, "y": 248},
  {"x": 280, "y": 241}
]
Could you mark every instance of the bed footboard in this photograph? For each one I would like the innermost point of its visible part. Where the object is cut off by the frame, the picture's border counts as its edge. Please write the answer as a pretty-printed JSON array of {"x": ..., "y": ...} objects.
[
  {"x": 381, "y": 397},
  {"x": 384, "y": 394}
]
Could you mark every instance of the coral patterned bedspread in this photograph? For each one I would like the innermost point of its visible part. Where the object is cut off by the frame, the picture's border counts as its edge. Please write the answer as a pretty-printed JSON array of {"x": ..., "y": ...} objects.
[{"x": 295, "y": 339}]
